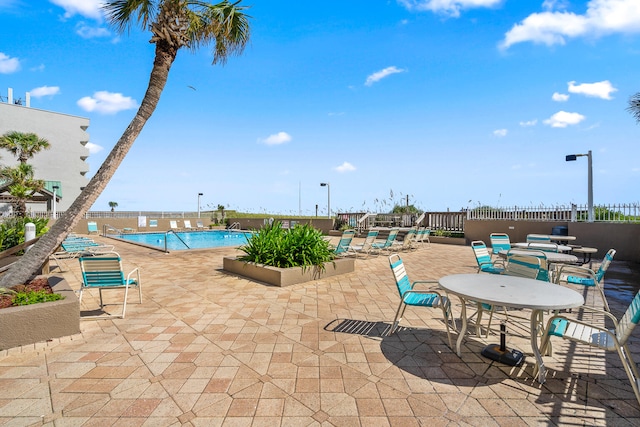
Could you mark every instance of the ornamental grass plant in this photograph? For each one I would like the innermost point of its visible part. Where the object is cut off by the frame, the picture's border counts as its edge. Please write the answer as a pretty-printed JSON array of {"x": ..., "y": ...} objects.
[{"x": 301, "y": 246}]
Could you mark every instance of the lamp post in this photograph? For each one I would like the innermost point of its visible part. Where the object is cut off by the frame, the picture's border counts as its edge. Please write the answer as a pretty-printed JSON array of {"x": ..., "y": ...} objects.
[
  {"x": 55, "y": 188},
  {"x": 572, "y": 157},
  {"x": 199, "y": 194},
  {"x": 326, "y": 184}
]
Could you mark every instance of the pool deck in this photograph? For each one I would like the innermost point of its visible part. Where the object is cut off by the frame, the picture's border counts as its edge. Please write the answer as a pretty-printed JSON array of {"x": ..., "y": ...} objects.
[{"x": 207, "y": 348}]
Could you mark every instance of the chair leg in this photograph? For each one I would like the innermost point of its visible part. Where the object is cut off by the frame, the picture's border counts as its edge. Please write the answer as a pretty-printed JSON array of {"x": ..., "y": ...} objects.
[
  {"x": 630, "y": 368},
  {"x": 398, "y": 318},
  {"x": 446, "y": 312},
  {"x": 124, "y": 306},
  {"x": 604, "y": 298}
]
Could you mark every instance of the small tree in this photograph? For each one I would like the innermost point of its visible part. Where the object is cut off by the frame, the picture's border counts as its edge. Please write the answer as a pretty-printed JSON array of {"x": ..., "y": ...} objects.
[
  {"x": 23, "y": 145},
  {"x": 113, "y": 206},
  {"x": 634, "y": 106},
  {"x": 22, "y": 186}
]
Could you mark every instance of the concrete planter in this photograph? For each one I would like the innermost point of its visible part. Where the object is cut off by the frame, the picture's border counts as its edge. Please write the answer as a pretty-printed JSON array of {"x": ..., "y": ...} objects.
[
  {"x": 34, "y": 323},
  {"x": 287, "y": 276},
  {"x": 448, "y": 240}
]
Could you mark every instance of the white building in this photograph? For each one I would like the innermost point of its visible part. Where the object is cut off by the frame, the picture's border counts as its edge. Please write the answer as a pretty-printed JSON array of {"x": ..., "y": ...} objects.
[{"x": 62, "y": 165}]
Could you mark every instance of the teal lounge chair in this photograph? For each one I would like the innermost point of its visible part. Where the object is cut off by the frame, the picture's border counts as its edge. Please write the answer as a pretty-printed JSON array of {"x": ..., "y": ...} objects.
[
  {"x": 499, "y": 242},
  {"x": 584, "y": 276},
  {"x": 386, "y": 245},
  {"x": 344, "y": 245},
  {"x": 598, "y": 336},
  {"x": 367, "y": 246},
  {"x": 92, "y": 227},
  {"x": 483, "y": 258},
  {"x": 429, "y": 298},
  {"x": 105, "y": 272}
]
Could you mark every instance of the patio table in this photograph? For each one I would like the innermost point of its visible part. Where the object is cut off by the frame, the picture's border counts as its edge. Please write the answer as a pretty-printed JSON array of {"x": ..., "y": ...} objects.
[
  {"x": 514, "y": 292},
  {"x": 542, "y": 246},
  {"x": 552, "y": 257},
  {"x": 562, "y": 238}
]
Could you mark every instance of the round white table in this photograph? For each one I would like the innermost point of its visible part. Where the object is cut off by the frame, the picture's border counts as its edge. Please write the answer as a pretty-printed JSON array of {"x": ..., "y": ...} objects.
[
  {"x": 510, "y": 291},
  {"x": 542, "y": 246}
]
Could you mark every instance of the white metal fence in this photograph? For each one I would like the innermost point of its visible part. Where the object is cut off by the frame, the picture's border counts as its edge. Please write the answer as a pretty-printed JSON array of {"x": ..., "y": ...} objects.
[{"x": 623, "y": 212}]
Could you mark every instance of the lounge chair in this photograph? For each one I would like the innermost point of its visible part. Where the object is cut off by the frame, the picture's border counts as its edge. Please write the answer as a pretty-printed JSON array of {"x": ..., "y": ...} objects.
[
  {"x": 407, "y": 243},
  {"x": 105, "y": 272},
  {"x": 187, "y": 224},
  {"x": 584, "y": 276},
  {"x": 344, "y": 245},
  {"x": 75, "y": 248},
  {"x": 367, "y": 246},
  {"x": 538, "y": 238},
  {"x": 429, "y": 298},
  {"x": 92, "y": 227},
  {"x": 173, "y": 225},
  {"x": 499, "y": 242},
  {"x": 199, "y": 225},
  {"x": 597, "y": 336},
  {"x": 153, "y": 223},
  {"x": 387, "y": 244},
  {"x": 483, "y": 258}
]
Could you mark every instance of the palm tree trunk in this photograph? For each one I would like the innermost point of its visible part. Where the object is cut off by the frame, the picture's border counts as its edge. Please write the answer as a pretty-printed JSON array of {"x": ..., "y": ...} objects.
[{"x": 32, "y": 261}]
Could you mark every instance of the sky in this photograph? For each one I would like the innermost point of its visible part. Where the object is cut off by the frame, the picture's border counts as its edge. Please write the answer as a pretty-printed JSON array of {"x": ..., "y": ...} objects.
[{"x": 451, "y": 103}]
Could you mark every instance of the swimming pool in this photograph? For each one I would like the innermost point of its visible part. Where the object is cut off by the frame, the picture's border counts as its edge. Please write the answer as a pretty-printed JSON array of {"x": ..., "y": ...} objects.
[{"x": 183, "y": 240}]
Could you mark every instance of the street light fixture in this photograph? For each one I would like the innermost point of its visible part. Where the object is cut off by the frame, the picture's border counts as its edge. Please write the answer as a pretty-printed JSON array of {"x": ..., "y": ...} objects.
[
  {"x": 326, "y": 184},
  {"x": 199, "y": 194},
  {"x": 573, "y": 157},
  {"x": 55, "y": 187}
]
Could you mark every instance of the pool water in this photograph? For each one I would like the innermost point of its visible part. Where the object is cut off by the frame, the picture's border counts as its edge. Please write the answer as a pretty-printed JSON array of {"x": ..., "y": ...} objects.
[{"x": 189, "y": 239}]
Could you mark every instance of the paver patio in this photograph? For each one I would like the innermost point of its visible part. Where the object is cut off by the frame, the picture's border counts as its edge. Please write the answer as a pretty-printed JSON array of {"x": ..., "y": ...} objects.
[{"x": 207, "y": 348}]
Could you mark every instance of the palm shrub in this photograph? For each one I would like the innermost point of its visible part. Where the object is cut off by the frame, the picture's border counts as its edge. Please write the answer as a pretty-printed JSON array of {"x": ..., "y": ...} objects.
[{"x": 301, "y": 246}]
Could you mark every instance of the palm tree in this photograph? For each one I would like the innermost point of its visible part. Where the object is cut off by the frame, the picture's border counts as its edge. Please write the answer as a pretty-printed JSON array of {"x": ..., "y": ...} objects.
[
  {"x": 174, "y": 24},
  {"x": 634, "y": 106},
  {"x": 113, "y": 206},
  {"x": 21, "y": 185},
  {"x": 23, "y": 145}
]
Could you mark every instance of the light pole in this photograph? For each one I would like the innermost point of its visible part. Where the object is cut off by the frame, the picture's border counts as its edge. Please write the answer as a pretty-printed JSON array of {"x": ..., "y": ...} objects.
[
  {"x": 326, "y": 184},
  {"x": 572, "y": 157},
  {"x": 55, "y": 187},
  {"x": 199, "y": 194}
]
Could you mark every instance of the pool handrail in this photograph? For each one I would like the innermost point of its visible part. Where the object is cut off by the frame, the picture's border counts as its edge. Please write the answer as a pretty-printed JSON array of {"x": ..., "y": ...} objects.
[
  {"x": 235, "y": 225},
  {"x": 166, "y": 237}
]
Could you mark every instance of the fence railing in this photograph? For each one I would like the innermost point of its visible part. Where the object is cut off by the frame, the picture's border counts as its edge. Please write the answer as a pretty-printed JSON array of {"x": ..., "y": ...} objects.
[{"x": 623, "y": 212}]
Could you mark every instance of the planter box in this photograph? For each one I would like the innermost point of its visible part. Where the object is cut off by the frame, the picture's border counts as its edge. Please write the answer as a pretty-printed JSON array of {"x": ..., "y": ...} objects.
[
  {"x": 287, "y": 276},
  {"x": 29, "y": 324},
  {"x": 448, "y": 240}
]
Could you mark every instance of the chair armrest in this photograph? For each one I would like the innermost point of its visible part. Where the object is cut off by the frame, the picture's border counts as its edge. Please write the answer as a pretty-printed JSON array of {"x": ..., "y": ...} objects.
[
  {"x": 566, "y": 269},
  {"x": 423, "y": 281},
  {"x": 137, "y": 273},
  {"x": 579, "y": 322},
  {"x": 599, "y": 311}
]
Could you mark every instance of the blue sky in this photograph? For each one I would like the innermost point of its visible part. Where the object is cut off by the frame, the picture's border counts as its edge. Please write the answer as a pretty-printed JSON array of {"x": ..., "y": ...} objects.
[{"x": 454, "y": 103}]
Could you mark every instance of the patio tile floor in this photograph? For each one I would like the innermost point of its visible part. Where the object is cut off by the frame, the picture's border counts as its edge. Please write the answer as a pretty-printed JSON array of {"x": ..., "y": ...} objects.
[{"x": 207, "y": 348}]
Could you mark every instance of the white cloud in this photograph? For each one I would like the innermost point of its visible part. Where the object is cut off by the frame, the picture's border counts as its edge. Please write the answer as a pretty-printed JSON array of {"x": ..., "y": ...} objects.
[
  {"x": 93, "y": 148},
  {"x": 379, "y": 75},
  {"x": 8, "y": 65},
  {"x": 87, "y": 32},
  {"x": 500, "y": 132},
  {"x": 529, "y": 123},
  {"x": 276, "y": 139},
  {"x": 44, "y": 91},
  {"x": 554, "y": 27},
  {"x": 601, "y": 89},
  {"x": 447, "y": 7},
  {"x": 87, "y": 8},
  {"x": 345, "y": 167},
  {"x": 560, "y": 97},
  {"x": 562, "y": 119},
  {"x": 107, "y": 102}
]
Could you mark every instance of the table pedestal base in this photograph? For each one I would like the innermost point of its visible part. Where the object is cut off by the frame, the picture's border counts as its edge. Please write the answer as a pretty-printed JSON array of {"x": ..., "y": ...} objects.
[
  {"x": 500, "y": 353},
  {"x": 503, "y": 355}
]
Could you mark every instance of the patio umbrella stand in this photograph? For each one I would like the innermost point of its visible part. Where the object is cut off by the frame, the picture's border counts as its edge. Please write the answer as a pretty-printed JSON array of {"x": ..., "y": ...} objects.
[{"x": 500, "y": 353}]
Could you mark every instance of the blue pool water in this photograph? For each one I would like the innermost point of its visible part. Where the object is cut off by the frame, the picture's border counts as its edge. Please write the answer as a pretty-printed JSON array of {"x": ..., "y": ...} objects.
[{"x": 189, "y": 239}]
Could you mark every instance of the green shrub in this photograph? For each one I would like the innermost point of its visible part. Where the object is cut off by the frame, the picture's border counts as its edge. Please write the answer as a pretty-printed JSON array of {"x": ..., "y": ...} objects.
[
  {"x": 301, "y": 246},
  {"x": 34, "y": 297},
  {"x": 12, "y": 230}
]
